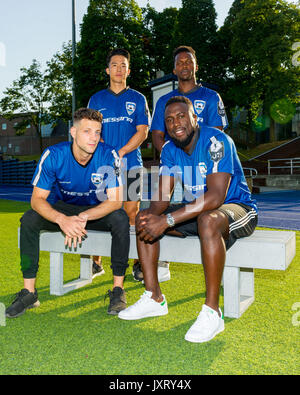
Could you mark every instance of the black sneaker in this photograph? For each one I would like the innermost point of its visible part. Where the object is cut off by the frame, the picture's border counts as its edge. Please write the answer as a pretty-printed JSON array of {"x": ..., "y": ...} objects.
[
  {"x": 137, "y": 272},
  {"x": 97, "y": 270},
  {"x": 24, "y": 300},
  {"x": 117, "y": 300}
]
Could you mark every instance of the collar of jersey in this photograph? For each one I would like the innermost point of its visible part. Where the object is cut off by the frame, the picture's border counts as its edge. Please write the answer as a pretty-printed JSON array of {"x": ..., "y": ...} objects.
[
  {"x": 71, "y": 148},
  {"x": 120, "y": 93},
  {"x": 191, "y": 91}
]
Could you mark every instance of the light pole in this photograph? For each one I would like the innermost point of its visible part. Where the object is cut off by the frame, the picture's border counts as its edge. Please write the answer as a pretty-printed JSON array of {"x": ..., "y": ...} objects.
[{"x": 73, "y": 56}]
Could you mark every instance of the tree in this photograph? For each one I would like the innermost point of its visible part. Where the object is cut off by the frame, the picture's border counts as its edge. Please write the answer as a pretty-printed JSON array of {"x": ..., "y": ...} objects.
[
  {"x": 58, "y": 77},
  {"x": 28, "y": 95},
  {"x": 260, "y": 62},
  {"x": 197, "y": 28},
  {"x": 109, "y": 24},
  {"x": 160, "y": 28}
]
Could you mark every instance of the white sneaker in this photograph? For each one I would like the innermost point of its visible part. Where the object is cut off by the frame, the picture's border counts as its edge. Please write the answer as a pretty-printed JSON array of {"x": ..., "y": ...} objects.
[
  {"x": 206, "y": 327},
  {"x": 163, "y": 272},
  {"x": 144, "y": 307}
]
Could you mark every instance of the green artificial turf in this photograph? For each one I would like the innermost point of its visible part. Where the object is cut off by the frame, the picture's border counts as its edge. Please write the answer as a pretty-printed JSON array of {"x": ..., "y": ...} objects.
[{"x": 73, "y": 334}]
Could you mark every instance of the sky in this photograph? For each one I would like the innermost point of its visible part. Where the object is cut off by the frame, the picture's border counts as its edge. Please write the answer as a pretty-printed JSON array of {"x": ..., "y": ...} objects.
[{"x": 36, "y": 29}]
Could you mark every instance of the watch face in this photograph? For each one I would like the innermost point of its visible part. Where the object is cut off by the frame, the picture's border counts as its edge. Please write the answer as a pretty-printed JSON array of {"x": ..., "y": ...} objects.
[{"x": 170, "y": 220}]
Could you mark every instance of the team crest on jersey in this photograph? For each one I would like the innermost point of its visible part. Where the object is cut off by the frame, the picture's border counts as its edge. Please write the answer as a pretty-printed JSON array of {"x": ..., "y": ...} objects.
[
  {"x": 199, "y": 106},
  {"x": 130, "y": 107},
  {"x": 202, "y": 168},
  {"x": 97, "y": 179}
]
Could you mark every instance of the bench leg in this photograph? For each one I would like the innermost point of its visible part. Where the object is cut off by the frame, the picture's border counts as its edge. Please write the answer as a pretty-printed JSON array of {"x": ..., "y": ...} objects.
[
  {"x": 238, "y": 291},
  {"x": 56, "y": 273},
  {"x": 57, "y": 286}
]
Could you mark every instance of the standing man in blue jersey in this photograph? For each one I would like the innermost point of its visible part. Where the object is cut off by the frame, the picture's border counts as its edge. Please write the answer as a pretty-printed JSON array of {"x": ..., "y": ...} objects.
[
  {"x": 217, "y": 207},
  {"x": 86, "y": 193},
  {"x": 207, "y": 103},
  {"x": 126, "y": 121}
]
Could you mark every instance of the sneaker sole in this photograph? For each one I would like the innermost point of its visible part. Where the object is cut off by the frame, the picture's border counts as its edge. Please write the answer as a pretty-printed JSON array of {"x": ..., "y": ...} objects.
[
  {"x": 98, "y": 274},
  {"x": 137, "y": 279},
  {"x": 131, "y": 318},
  {"x": 195, "y": 340},
  {"x": 32, "y": 306}
]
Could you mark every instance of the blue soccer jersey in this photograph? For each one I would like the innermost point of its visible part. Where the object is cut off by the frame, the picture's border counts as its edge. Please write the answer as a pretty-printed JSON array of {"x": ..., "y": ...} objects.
[
  {"x": 59, "y": 172},
  {"x": 122, "y": 113},
  {"x": 213, "y": 152},
  {"x": 208, "y": 107}
]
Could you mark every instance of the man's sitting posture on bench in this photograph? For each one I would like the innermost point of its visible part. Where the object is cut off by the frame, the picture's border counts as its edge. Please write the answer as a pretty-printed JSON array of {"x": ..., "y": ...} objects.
[
  {"x": 84, "y": 177},
  {"x": 217, "y": 207}
]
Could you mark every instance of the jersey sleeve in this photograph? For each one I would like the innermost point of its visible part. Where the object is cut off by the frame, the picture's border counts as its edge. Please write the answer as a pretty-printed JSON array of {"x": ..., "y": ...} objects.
[
  {"x": 167, "y": 165},
  {"x": 219, "y": 155},
  {"x": 216, "y": 114},
  {"x": 143, "y": 114},
  {"x": 44, "y": 176},
  {"x": 158, "y": 119},
  {"x": 91, "y": 103}
]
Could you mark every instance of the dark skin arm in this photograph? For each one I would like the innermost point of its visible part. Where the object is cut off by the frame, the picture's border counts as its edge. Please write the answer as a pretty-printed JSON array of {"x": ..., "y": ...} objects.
[
  {"x": 158, "y": 139},
  {"x": 153, "y": 223}
]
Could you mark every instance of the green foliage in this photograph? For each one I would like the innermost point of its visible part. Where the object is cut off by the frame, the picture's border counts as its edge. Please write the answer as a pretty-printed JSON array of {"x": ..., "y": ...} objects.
[
  {"x": 59, "y": 79},
  {"x": 160, "y": 39},
  {"x": 29, "y": 96},
  {"x": 259, "y": 35}
]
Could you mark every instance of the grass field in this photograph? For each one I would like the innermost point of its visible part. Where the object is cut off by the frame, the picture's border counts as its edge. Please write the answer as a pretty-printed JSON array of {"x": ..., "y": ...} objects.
[{"x": 73, "y": 334}]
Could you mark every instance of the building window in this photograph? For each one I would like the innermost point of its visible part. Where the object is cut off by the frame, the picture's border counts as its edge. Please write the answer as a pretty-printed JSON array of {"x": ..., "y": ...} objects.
[{"x": 4, "y": 126}]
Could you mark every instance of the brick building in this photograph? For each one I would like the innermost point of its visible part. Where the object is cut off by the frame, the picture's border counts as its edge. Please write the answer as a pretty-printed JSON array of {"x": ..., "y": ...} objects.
[{"x": 28, "y": 143}]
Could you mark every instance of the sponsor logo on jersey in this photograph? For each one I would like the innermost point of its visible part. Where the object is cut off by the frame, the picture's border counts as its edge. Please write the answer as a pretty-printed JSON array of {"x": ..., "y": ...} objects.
[
  {"x": 216, "y": 151},
  {"x": 97, "y": 179},
  {"x": 199, "y": 106},
  {"x": 130, "y": 107},
  {"x": 221, "y": 108}
]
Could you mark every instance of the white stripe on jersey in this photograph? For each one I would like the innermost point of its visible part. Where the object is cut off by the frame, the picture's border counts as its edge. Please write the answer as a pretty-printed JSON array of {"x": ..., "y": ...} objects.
[{"x": 43, "y": 158}]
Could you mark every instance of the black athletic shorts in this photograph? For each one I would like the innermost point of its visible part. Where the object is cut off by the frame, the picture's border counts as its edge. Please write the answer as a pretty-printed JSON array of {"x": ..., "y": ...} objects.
[{"x": 242, "y": 221}]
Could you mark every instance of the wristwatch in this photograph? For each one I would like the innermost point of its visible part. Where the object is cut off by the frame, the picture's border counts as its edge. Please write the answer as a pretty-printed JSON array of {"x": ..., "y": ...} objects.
[{"x": 170, "y": 220}]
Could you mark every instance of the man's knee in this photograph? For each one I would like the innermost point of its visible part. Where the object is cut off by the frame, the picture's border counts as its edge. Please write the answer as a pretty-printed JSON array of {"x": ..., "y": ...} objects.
[
  {"x": 208, "y": 223},
  {"x": 30, "y": 218},
  {"x": 120, "y": 220}
]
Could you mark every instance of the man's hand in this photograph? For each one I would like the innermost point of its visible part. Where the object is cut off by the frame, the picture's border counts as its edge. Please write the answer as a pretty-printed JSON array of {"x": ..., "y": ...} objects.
[
  {"x": 74, "y": 228},
  {"x": 150, "y": 226}
]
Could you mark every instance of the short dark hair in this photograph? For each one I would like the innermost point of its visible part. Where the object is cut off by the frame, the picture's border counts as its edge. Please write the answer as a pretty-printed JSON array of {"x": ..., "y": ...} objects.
[
  {"x": 87, "y": 113},
  {"x": 184, "y": 48},
  {"x": 118, "y": 51},
  {"x": 180, "y": 99}
]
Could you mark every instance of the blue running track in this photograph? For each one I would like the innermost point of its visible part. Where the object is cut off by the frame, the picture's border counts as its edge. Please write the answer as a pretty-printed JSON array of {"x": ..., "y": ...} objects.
[{"x": 278, "y": 210}]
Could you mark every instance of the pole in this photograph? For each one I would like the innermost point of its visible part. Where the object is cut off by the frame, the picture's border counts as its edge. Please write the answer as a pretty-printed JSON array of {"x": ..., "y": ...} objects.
[{"x": 73, "y": 56}]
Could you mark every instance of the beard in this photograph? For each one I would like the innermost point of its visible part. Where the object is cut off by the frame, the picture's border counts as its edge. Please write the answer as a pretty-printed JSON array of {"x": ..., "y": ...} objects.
[{"x": 183, "y": 143}]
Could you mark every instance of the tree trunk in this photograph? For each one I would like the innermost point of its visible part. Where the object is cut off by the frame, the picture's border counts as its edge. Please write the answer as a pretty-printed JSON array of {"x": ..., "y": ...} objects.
[{"x": 272, "y": 131}]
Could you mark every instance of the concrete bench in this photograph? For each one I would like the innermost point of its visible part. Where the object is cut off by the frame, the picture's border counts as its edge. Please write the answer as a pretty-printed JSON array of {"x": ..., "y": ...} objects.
[{"x": 263, "y": 250}]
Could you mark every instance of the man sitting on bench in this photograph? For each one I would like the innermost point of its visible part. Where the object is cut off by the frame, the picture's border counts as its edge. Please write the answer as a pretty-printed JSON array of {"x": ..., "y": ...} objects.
[
  {"x": 86, "y": 193},
  {"x": 217, "y": 206}
]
